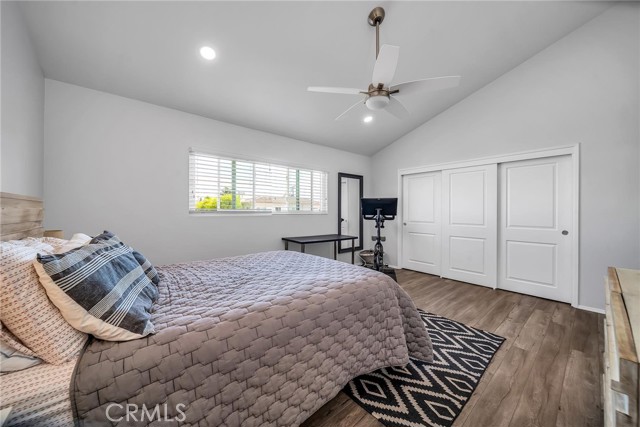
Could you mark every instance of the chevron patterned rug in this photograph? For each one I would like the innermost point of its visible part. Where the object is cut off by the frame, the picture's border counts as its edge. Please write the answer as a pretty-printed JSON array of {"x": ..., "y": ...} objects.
[{"x": 429, "y": 394}]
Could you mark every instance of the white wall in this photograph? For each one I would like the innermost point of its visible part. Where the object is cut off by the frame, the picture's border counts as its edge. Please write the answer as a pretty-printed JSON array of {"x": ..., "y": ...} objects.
[
  {"x": 22, "y": 108},
  {"x": 582, "y": 89},
  {"x": 119, "y": 164}
]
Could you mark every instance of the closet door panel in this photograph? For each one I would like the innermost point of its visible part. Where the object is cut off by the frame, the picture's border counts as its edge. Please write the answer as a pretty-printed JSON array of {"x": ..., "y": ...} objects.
[
  {"x": 421, "y": 222},
  {"x": 535, "y": 225},
  {"x": 469, "y": 224}
]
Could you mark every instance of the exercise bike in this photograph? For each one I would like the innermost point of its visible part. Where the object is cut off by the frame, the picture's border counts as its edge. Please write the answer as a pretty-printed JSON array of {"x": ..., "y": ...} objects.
[{"x": 379, "y": 210}]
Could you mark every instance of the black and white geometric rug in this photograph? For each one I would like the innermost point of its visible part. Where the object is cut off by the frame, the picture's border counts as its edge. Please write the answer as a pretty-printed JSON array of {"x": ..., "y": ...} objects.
[{"x": 429, "y": 394}]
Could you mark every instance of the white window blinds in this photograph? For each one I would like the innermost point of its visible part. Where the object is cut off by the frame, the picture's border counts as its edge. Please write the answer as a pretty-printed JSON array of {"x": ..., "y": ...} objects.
[{"x": 220, "y": 184}]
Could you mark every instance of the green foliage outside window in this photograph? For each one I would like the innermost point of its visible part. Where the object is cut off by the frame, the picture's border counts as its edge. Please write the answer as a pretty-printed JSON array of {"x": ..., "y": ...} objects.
[{"x": 226, "y": 202}]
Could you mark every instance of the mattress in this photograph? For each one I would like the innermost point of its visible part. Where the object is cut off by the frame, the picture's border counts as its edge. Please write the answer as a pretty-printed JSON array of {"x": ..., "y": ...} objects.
[{"x": 38, "y": 396}]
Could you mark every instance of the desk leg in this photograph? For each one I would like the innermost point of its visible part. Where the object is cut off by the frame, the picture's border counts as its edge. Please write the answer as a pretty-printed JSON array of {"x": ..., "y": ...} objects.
[
  {"x": 353, "y": 251},
  {"x": 335, "y": 249},
  {"x": 286, "y": 245},
  {"x": 302, "y": 247}
]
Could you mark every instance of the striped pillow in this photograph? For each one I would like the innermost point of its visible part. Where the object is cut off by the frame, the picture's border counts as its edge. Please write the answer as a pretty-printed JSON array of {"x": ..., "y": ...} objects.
[
  {"x": 100, "y": 289},
  {"x": 149, "y": 269}
]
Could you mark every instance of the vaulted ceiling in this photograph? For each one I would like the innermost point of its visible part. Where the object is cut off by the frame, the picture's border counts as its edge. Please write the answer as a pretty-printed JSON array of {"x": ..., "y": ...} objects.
[{"x": 269, "y": 52}]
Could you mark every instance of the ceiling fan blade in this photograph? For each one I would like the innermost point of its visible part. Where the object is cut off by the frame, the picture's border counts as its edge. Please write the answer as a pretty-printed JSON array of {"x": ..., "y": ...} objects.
[
  {"x": 341, "y": 90},
  {"x": 386, "y": 64},
  {"x": 397, "y": 108},
  {"x": 343, "y": 115},
  {"x": 435, "y": 83}
]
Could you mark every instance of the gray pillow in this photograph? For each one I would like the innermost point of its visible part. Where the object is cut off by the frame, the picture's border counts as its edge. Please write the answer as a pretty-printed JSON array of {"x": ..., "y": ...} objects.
[
  {"x": 148, "y": 268},
  {"x": 100, "y": 289}
]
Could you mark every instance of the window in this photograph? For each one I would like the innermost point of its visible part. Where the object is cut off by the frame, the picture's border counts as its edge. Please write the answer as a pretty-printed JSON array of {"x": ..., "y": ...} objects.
[{"x": 220, "y": 184}]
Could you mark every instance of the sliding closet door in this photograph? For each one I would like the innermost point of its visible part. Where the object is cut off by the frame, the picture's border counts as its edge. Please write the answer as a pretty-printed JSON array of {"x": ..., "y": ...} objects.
[
  {"x": 421, "y": 222},
  {"x": 469, "y": 224},
  {"x": 535, "y": 226}
]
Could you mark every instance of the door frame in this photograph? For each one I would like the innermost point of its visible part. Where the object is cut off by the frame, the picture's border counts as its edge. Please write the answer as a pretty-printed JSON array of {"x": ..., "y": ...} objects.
[{"x": 571, "y": 150}]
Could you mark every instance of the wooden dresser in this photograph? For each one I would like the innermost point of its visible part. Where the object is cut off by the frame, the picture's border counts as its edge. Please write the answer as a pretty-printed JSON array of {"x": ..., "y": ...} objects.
[{"x": 622, "y": 348}]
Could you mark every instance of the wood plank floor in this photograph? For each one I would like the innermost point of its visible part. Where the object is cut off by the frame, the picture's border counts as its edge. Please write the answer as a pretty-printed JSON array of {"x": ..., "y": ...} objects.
[{"x": 547, "y": 373}]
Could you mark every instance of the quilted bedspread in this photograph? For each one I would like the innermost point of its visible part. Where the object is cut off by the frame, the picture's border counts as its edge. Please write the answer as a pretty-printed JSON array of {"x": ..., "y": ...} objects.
[{"x": 255, "y": 340}]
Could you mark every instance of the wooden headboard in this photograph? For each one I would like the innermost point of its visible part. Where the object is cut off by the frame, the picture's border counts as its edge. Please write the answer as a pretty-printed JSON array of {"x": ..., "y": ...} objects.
[{"x": 20, "y": 216}]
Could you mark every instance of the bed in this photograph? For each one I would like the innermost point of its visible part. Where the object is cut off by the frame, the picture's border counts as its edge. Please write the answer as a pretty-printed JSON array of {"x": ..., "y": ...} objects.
[{"x": 261, "y": 339}]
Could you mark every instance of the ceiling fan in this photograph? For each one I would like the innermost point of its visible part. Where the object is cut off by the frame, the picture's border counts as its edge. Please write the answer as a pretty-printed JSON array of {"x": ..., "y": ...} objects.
[{"x": 380, "y": 94}]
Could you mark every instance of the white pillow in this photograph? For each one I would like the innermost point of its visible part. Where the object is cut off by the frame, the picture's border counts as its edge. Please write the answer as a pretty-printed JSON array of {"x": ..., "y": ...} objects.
[
  {"x": 53, "y": 245},
  {"x": 26, "y": 310},
  {"x": 76, "y": 241}
]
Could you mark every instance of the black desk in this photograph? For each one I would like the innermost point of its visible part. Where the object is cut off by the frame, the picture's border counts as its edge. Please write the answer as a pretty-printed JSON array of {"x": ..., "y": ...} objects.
[{"x": 324, "y": 238}]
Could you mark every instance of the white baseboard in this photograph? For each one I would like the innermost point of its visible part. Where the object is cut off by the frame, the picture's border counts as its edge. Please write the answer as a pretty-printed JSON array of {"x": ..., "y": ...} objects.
[{"x": 595, "y": 310}]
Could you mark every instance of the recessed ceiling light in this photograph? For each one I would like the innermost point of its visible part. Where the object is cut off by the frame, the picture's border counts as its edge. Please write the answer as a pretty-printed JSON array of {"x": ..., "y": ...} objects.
[
  {"x": 367, "y": 119},
  {"x": 207, "y": 53}
]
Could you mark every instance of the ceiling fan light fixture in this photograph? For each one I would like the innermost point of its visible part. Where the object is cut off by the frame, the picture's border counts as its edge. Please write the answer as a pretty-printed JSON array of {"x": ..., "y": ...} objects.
[
  {"x": 377, "y": 102},
  {"x": 207, "y": 53},
  {"x": 379, "y": 95}
]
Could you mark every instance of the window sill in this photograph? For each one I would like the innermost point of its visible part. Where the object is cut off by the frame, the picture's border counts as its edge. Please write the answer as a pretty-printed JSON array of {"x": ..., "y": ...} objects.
[{"x": 252, "y": 213}]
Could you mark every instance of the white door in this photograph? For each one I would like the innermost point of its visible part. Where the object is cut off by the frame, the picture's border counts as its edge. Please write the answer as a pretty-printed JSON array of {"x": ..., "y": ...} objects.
[
  {"x": 421, "y": 222},
  {"x": 536, "y": 226},
  {"x": 469, "y": 224}
]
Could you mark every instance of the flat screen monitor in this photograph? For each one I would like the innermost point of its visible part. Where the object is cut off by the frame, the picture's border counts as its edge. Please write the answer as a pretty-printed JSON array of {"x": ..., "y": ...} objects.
[{"x": 389, "y": 206}]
